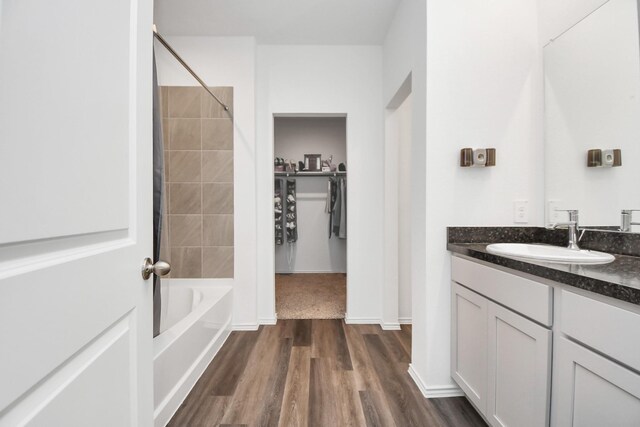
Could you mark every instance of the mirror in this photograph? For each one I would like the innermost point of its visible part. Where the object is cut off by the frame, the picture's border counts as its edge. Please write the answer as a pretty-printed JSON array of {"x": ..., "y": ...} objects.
[{"x": 592, "y": 101}]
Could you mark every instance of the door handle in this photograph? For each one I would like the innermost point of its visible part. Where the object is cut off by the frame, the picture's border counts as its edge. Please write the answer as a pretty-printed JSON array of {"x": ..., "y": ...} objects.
[{"x": 160, "y": 268}]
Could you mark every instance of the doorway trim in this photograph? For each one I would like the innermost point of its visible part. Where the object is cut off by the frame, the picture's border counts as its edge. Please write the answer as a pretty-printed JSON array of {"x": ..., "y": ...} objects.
[{"x": 270, "y": 281}]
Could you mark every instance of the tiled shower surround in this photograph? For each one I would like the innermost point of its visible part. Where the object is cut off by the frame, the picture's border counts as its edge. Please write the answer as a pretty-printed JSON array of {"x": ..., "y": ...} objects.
[{"x": 198, "y": 144}]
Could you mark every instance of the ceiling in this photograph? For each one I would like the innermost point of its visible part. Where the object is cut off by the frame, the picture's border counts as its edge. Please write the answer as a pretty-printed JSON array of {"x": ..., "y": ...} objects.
[{"x": 322, "y": 22}]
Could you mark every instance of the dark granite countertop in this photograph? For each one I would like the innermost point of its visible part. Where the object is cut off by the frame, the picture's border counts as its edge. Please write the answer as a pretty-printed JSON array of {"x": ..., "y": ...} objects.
[{"x": 619, "y": 279}]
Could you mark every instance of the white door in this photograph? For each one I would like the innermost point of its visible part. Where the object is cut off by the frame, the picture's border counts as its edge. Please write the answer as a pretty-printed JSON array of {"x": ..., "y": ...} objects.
[
  {"x": 75, "y": 212},
  {"x": 592, "y": 391},
  {"x": 519, "y": 384},
  {"x": 469, "y": 344}
]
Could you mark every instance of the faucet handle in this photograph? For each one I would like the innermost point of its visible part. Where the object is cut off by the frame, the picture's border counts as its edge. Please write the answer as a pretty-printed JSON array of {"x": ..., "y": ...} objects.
[
  {"x": 573, "y": 214},
  {"x": 566, "y": 224}
]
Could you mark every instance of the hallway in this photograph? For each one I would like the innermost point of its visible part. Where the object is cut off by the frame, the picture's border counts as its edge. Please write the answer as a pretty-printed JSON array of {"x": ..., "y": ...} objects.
[{"x": 317, "y": 373}]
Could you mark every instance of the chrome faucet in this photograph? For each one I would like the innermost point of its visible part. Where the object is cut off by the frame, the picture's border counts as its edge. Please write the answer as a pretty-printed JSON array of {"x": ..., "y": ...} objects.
[
  {"x": 626, "y": 219},
  {"x": 572, "y": 228}
]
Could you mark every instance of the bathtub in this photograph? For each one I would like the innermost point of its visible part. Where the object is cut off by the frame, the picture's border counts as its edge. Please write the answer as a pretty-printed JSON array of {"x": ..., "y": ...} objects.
[{"x": 196, "y": 320}]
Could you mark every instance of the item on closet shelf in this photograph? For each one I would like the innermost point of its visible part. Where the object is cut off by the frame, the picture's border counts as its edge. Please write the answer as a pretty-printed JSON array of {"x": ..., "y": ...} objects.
[
  {"x": 342, "y": 167},
  {"x": 278, "y": 207},
  {"x": 327, "y": 166},
  {"x": 279, "y": 164},
  {"x": 300, "y": 166},
  {"x": 313, "y": 162},
  {"x": 290, "y": 166}
]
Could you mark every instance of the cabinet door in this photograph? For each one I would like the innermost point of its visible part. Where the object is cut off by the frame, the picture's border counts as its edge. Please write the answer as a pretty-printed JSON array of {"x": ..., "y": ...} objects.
[
  {"x": 519, "y": 382},
  {"x": 592, "y": 391},
  {"x": 469, "y": 344}
]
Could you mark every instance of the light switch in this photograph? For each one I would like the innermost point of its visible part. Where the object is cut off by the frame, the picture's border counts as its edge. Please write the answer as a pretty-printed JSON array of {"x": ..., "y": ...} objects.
[{"x": 521, "y": 211}]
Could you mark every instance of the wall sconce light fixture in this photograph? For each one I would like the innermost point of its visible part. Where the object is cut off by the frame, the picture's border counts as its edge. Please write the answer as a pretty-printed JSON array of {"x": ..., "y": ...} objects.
[
  {"x": 480, "y": 157},
  {"x": 604, "y": 158}
]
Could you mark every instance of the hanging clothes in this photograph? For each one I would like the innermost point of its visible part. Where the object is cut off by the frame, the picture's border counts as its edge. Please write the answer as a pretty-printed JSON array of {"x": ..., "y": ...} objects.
[
  {"x": 278, "y": 207},
  {"x": 331, "y": 202},
  {"x": 337, "y": 199},
  {"x": 291, "y": 213},
  {"x": 342, "y": 229}
]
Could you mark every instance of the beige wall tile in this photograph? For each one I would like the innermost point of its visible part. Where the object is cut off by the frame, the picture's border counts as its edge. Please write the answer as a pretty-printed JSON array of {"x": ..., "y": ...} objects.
[
  {"x": 192, "y": 236},
  {"x": 185, "y": 230},
  {"x": 184, "y": 102},
  {"x": 217, "y": 262},
  {"x": 217, "y": 134},
  {"x": 217, "y": 198},
  {"x": 218, "y": 230},
  {"x": 185, "y": 166},
  {"x": 212, "y": 108},
  {"x": 185, "y": 198},
  {"x": 217, "y": 166},
  {"x": 185, "y": 134},
  {"x": 186, "y": 263}
]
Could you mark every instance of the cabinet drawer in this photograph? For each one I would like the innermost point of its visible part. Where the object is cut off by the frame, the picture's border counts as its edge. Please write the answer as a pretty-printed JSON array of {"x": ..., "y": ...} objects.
[
  {"x": 531, "y": 299},
  {"x": 611, "y": 330}
]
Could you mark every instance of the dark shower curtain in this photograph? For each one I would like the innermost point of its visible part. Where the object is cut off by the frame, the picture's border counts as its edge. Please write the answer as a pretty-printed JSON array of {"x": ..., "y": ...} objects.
[{"x": 158, "y": 194}]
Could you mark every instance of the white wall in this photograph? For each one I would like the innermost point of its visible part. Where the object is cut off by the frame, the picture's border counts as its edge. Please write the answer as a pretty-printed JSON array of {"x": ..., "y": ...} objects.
[
  {"x": 314, "y": 252},
  {"x": 228, "y": 62},
  {"x": 397, "y": 216},
  {"x": 405, "y": 53},
  {"x": 484, "y": 89},
  {"x": 297, "y": 136},
  {"x": 477, "y": 79},
  {"x": 403, "y": 113},
  {"x": 557, "y": 17},
  {"x": 327, "y": 80}
]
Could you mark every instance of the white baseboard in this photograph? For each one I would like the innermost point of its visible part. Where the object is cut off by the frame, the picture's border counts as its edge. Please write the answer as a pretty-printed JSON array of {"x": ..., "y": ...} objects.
[
  {"x": 390, "y": 326},
  {"x": 268, "y": 321},
  {"x": 405, "y": 320},
  {"x": 361, "y": 320},
  {"x": 245, "y": 327},
  {"x": 431, "y": 392},
  {"x": 311, "y": 272}
]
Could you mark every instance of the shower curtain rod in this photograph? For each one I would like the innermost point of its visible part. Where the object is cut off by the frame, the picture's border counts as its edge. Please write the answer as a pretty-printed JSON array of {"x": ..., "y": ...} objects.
[{"x": 184, "y": 64}]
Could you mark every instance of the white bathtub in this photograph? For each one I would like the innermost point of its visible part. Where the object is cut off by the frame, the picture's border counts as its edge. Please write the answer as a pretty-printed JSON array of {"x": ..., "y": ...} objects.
[{"x": 195, "y": 323}]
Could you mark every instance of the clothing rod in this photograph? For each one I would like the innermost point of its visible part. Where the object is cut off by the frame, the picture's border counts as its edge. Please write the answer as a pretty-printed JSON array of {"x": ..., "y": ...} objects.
[
  {"x": 184, "y": 64},
  {"x": 307, "y": 174}
]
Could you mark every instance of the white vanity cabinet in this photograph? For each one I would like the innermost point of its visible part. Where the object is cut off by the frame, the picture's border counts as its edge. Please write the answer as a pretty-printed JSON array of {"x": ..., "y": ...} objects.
[
  {"x": 501, "y": 359},
  {"x": 509, "y": 330},
  {"x": 469, "y": 344},
  {"x": 596, "y": 364},
  {"x": 591, "y": 390}
]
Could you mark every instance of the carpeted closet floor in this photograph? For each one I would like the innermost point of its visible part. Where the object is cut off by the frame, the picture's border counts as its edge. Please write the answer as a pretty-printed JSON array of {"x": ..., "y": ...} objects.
[{"x": 311, "y": 295}]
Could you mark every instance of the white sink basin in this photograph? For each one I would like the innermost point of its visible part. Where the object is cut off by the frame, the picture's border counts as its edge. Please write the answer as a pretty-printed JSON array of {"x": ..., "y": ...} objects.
[{"x": 549, "y": 253}]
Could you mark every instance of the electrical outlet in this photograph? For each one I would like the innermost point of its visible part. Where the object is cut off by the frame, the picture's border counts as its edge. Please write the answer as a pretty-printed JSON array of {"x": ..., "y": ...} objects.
[
  {"x": 553, "y": 216},
  {"x": 521, "y": 211}
]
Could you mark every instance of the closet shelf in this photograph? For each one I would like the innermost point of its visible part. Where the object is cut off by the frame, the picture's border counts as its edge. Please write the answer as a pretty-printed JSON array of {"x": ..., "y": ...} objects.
[{"x": 337, "y": 173}]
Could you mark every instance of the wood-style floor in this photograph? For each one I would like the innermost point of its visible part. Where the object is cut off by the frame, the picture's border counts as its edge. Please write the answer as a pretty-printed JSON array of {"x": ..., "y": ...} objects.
[{"x": 317, "y": 373}]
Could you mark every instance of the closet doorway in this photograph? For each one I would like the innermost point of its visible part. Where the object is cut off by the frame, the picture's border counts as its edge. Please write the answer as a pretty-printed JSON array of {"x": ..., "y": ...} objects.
[{"x": 310, "y": 210}]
